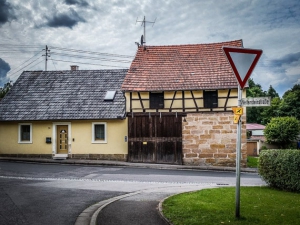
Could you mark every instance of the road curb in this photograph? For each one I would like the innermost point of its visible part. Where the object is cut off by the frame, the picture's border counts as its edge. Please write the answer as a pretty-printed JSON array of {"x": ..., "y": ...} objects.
[
  {"x": 160, "y": 212},
  {"x": 90, "y": 214},
  {"x": 127, "y": 164}
]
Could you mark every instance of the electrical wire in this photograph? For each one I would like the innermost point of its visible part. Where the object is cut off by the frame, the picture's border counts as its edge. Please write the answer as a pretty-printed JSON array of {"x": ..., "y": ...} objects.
[
  {"x": 91, "y": 58},
  {"x": 90, "y": 52},
  {"x": 89, "y": 63},
  {"x": 35, "y": 64},
  {"x": 25, "y": 66},
  {"x": 25, "y": 62},
  {"x": 53, "y": 64}
]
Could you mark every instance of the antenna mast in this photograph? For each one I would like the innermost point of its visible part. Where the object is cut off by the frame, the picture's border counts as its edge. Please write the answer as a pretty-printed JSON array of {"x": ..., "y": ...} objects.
[{"x": 143, "y": 39}]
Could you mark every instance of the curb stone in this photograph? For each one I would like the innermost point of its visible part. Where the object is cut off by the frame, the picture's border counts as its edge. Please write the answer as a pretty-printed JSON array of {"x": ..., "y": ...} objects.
[{"x": 89, "y": 215}]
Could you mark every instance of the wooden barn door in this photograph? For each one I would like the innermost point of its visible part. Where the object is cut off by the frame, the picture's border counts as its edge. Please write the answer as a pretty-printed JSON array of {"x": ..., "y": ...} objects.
[{"x": 155, "y": 139}]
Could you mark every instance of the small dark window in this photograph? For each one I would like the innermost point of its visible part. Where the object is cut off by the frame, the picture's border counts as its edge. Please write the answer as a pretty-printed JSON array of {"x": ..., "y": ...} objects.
[
  {"x": 99, "y": 132},
  {"x": 25, "y": 132},
  {"x": 210, "y": 99},
  {"x": 156, "y": 100}
]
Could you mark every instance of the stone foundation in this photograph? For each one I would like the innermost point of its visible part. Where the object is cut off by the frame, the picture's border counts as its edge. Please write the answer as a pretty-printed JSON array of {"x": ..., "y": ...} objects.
[
  {"x": 40, "y": 156},
  {"x": 116, "y": 157},
  {"x": 209, "y": 139}
]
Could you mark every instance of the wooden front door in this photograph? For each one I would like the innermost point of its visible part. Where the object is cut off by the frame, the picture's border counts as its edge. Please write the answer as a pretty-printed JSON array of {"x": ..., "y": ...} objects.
[
  {"x": 62, "y": 139},
  {"x": 155, "y": 139}
]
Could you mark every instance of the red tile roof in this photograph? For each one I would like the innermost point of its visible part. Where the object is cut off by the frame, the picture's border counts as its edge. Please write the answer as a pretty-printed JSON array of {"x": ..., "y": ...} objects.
[
  {"x": 254, "y": 126},
  {"x": 181, "y": 67}
]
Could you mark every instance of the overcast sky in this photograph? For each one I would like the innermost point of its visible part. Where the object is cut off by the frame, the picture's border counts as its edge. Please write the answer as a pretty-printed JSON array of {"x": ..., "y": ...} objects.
[{"x": 79, "y": 32}]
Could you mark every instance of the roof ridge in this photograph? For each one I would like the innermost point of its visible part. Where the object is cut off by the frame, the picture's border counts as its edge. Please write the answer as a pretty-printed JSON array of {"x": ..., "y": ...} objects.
[{"x": 214, "y": 43}]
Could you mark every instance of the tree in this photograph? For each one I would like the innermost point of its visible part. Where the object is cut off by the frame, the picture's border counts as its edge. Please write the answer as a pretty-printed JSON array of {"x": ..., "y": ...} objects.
[
  {"x": 254, "y": 113},
  {"x": 272, "y": 92},
  {"x": 5, "y": 89},
  {"x": 282, "y": 131},
  {"x": 271, "y": 111},
  {"x": 290, "y": 104}
]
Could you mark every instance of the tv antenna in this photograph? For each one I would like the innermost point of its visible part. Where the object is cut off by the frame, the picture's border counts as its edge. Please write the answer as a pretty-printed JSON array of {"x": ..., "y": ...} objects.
[{"x": 143, "y": 37}]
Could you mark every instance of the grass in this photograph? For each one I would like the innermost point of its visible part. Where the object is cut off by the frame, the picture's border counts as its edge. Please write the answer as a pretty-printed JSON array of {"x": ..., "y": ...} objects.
[
  {"x": 258, "y": 205},
  {"x": 252, "y": 162}
]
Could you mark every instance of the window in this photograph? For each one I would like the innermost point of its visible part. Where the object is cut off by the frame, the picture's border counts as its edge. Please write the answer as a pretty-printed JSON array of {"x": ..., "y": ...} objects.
[
  {"x": 110, "y": 96},
  {"x": 99, "y": 133},
  {"x": 25, "y": 133},
  {"x": 156, "y": 100},
  {"x": 210, "y": 99}
]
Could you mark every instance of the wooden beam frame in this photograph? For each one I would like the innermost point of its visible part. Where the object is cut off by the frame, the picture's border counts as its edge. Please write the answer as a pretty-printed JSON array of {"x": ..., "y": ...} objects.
[
  {"x": 197, "y": 109},
  {"x": 173, "y": 99},
  {"x": 141, "y": 101},
  {"x": 228, "y": 94}
]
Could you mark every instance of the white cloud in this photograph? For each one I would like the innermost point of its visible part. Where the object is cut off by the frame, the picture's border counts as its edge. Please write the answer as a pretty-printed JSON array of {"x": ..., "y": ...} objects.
[{"x": 110, "y": 26}]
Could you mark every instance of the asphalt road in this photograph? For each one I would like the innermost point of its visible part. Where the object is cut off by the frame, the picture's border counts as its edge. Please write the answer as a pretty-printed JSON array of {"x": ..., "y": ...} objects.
[{"x": 56, "y": 194}]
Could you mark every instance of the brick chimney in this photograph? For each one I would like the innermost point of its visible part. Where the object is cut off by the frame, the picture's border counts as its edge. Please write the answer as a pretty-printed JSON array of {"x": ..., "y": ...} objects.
[{"x": 74, "y": 67}]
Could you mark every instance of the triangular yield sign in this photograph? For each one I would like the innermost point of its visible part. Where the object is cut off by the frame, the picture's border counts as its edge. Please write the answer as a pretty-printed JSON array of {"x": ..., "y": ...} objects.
[{"x": 242, "y": 61}]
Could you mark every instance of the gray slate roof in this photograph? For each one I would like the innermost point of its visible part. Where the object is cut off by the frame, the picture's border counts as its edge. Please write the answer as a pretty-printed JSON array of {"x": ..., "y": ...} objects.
[{"x": 64, "y": 95}]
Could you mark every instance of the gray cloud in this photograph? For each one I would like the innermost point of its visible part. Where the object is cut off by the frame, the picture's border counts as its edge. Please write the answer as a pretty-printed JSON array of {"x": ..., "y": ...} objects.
[
  {"x": 287, "y": 59},
  {"x": 68, "y": 19},
  {"x": 6, "y": 12},
  {"x": 76, "y": 2},
  {"x": 4, "y": 68}
]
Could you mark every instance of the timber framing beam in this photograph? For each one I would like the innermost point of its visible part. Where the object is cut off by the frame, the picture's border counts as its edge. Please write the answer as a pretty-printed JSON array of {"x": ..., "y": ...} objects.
[{"x": 228, "y": 94}]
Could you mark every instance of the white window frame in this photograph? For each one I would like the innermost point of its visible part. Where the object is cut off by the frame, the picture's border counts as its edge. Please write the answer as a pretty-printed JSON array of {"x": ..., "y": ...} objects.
[
  {"x": 105, "y": 133},
  {"x": 19, "y": 133}
]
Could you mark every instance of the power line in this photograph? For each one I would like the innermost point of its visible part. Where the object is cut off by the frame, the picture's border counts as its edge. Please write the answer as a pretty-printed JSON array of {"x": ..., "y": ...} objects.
[
  {"x": 90, "y": 52},
  {"x": 35, "y": 64},
  {"x": 53, "y": 64},
  {"x": 89, "y": 63},
  {"x": 25, "y": 61},
  {"x": 90, "y": 57},
  {"x": 25, "y": 66}
]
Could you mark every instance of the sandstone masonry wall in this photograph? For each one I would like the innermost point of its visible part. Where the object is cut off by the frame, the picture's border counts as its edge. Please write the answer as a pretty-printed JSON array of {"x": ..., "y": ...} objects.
[{"x": 209, "y": 139}]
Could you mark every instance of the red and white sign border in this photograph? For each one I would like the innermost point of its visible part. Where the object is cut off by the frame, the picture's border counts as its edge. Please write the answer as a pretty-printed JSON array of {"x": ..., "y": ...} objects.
[{"x": 257, "y": 52}]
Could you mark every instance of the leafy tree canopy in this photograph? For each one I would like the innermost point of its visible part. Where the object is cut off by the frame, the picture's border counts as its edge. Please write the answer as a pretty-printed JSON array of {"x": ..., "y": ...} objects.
[
  {"x": 5, "y": 89},
  {"x": 289, "y": 105},
  {"x": 282, "y": 131}
]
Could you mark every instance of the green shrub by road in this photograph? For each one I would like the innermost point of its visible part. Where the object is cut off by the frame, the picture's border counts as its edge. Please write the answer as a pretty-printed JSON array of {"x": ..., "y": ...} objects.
[
  {"x": 281, "y": 168},
  {"x": 258, "y": 205}
]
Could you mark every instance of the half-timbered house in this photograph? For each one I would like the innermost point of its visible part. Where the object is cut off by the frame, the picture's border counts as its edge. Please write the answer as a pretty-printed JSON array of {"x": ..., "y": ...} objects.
[{"x": 178, "y": 104}]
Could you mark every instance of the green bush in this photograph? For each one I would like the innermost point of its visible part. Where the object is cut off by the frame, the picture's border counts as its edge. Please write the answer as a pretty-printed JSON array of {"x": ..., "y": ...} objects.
[
  {"x": 282, "y": 131},
  {"x": 280, "y": 169}
]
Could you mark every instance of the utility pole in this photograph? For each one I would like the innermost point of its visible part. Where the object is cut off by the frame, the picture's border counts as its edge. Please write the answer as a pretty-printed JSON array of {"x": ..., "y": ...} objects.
[
  {"x": 143, "y": 38},
  {"x": 47, "y": 54}
]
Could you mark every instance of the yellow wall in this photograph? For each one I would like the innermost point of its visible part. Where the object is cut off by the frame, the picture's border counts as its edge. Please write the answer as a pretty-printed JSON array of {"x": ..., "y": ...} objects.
[
  {"x": 177, "y": 103},
  {"x": 9, "y": 139},
  {"x": 116, "y": 132},
  {"x": 81, "y": 131}
]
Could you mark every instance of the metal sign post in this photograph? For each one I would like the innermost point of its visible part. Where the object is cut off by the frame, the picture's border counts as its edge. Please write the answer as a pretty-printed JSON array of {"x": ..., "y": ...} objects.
[{"x": 238, "y": 158}]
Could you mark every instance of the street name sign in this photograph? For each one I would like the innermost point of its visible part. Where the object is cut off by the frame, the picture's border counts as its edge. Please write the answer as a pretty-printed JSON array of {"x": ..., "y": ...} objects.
[
  {"x": 242, "y": 61},
  {"x": 259, "y": 101}
]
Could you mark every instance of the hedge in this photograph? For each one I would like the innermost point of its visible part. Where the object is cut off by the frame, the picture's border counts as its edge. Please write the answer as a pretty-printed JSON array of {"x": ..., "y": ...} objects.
[{"x": 280, "y": 169}]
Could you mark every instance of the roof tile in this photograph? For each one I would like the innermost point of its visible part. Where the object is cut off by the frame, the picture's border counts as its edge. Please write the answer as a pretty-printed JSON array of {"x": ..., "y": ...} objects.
[
  {"x": 181, "y": 67},
  {"x": 64, "y": 95}
]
